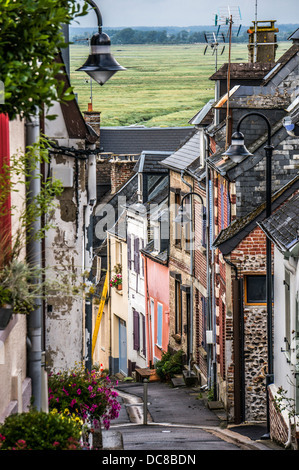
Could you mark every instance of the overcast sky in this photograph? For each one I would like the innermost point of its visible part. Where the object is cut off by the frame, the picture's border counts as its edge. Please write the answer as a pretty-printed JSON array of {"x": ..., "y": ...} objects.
[{"x": 125, "y": 13}]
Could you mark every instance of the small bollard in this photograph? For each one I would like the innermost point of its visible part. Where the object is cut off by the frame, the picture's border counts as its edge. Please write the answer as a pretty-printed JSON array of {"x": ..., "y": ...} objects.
[{"x": 145, "y": 382}]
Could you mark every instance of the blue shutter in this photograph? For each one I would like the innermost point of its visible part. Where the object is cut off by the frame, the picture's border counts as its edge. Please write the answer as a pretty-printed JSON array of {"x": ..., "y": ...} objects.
[
  {"x": 135, "y": 330},
  {"x": 222, "y": 206},
  {"x": 211, "y": 212},
  {"x": 159, "y": 324},
  {"x": 228, "y": 209},
  {"x": 204, "y": 227}
]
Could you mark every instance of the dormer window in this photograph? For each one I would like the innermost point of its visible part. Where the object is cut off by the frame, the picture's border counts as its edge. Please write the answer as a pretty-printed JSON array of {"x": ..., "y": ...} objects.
[
  {"x": 161, "y": 231},
  {"x": 140, "y": 187}
]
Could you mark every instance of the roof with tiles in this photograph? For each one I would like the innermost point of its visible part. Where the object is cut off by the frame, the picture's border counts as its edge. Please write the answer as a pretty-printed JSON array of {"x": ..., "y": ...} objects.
[
  {"x": 231, "y": 236},
  {"x": 283, "y": 226},
  {"x": 243, "y": 71},
  {"x": 185, "y": 155},
  {"x": 134, "y": 140},
  {"x": 149, "y": 162}
]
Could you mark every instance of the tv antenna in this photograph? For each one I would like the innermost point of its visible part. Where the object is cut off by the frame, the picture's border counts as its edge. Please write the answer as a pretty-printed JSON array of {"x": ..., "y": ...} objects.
[
  {"x": 228, "y": 18},
  {"x": 214, "y": 40},
  {"x": 90, "y": 79}
]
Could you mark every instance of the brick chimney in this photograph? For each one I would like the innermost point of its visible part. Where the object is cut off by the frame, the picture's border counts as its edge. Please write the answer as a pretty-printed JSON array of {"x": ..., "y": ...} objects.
[
  {"x": 263, "y": 47},
  {"x": 122, "y": 168},
  {"x": 93, "y": 119}
]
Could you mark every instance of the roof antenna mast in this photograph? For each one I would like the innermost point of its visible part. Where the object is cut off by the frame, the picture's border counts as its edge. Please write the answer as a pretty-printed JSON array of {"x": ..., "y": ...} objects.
[{"x": 229, "y": 18}]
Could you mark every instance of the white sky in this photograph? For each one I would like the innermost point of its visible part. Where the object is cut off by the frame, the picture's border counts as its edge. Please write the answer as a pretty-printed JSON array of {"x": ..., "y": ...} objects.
[{"x": 125, "y": 13}]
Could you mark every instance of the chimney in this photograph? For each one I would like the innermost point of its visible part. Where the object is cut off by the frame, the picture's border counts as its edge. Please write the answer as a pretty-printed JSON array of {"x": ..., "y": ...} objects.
[
  {"x": 93, "y": 119},
  {"x": 262, "y": 41},
  {"x": 122, "y": 169}
]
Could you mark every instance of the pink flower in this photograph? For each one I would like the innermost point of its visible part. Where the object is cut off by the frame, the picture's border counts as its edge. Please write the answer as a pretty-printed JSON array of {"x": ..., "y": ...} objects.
[{"x": 79, "y": 391}]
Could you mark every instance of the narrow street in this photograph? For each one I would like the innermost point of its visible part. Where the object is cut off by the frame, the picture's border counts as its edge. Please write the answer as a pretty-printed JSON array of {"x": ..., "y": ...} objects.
[{"x": 177, "y": 420}]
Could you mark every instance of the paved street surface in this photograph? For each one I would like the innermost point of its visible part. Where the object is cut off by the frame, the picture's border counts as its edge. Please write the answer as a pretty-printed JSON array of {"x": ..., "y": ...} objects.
[{"x": 178, "y": 420}]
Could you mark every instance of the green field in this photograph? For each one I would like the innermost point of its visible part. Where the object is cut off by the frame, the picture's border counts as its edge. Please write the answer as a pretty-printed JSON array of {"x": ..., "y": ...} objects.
[{"x": 162, "y": 86}]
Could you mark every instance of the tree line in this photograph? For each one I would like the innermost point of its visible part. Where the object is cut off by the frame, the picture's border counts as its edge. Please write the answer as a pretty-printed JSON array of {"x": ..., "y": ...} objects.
[
  {"x": 183, "y": 36},
  {"x": 134, "y": 36}
]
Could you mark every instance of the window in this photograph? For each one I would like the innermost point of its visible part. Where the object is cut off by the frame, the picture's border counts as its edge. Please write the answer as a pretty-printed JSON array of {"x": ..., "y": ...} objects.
[
  {"x": 178, "y": 227},
  {"x": 139, "y": 332},
  {"x": 159, "y": 324},
  {"x": 136, "y": 256},
  {"x": 136, "y": 331},
  {"x": 187, "y": 204},
  {"x": 255, "y": 290},
  {"x": 178, "y": 307}
]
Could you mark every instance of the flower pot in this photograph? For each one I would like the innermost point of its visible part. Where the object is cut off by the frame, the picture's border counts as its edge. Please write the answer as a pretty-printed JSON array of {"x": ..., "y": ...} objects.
[
  {"x": 119, "y": 286},
  {"x": 5, "y": 316}
]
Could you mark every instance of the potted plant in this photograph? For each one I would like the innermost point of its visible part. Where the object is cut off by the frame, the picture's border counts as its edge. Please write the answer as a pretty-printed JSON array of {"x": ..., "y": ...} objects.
[
  {"x": 116, "y": 280},
  {"x": 18, "y": 292}
]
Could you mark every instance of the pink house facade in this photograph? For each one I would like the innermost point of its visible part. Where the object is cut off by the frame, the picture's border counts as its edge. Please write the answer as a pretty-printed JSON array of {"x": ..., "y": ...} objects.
[{"x": 156, "y": 276}]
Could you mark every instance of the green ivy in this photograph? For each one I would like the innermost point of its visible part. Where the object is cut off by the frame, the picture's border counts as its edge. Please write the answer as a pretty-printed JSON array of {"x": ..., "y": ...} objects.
[{"x": 30, "y": 38}]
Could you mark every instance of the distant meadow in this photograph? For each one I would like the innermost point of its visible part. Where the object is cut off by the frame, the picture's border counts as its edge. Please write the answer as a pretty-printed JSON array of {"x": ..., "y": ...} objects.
[{"x": 163, "y": 86}]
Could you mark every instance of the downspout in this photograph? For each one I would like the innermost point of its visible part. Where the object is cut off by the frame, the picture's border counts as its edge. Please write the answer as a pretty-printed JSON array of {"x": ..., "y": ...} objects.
[
  {"x": 91, "y": 201},
  {"x": 191, "y": 273},
  {"x": 34, "y": 259},
  {"x": 208, "y": 263},
  {"x": 212, "y": 375},
  {"x": 148, "y": 314}
]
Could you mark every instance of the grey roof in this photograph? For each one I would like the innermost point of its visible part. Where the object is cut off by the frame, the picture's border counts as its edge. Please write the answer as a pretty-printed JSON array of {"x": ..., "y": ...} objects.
[
  {"x": 243, "y": 71},
  {"x": 229, "y": 238},
  {"x": 133, "y": 140},
  {"x": 149, "y": 250},
  {"x": 149, "y": 162},
  {"x": 294, "y": 36},
  {"x": 185, "y": 155},
  {"x": 282, "y": 226}
]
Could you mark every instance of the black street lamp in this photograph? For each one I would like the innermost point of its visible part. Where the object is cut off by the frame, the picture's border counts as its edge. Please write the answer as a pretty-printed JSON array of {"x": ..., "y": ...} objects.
[
  {"x": 100, "y": 64},
  {"x": 182, "y": 216},
  {"x": 237, "y": 152}
]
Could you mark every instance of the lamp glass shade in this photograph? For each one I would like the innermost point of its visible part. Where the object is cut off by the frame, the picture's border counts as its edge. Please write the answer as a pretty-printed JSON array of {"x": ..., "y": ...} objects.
[
  {"x": 237, "y": 150},
  {"x": 101, "y": 76}
]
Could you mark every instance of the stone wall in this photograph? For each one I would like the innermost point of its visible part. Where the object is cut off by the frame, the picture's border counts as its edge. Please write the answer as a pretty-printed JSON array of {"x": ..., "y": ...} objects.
[{"x": 250, "y": 257}]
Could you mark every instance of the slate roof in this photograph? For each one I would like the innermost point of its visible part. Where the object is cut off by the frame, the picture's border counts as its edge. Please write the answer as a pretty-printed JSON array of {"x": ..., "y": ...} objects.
[
  {"x": 134, "y": 140},
  {"x": 281, "y": 62},
  {"x": 282, "y": 227},
  {"x": 161, "y": 257},
  {"x": 185, "y": 155},
  {"x": 149, "y": 162},
  {"x": 231, "y": 236},
  {"x": 243, "y": 71}
]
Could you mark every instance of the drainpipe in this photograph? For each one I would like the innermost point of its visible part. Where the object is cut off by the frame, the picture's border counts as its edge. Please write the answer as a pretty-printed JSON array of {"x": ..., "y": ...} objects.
[
  {"x": 191, "y": 273},
  {"x": 89, "y": 210},
  {"x": 34, "y": 259}
]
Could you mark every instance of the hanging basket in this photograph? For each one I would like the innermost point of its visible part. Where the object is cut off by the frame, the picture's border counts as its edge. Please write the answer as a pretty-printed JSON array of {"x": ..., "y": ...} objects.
[
  {"x": 5, "y": 316},
  {"x": 119, "y": 286}
]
